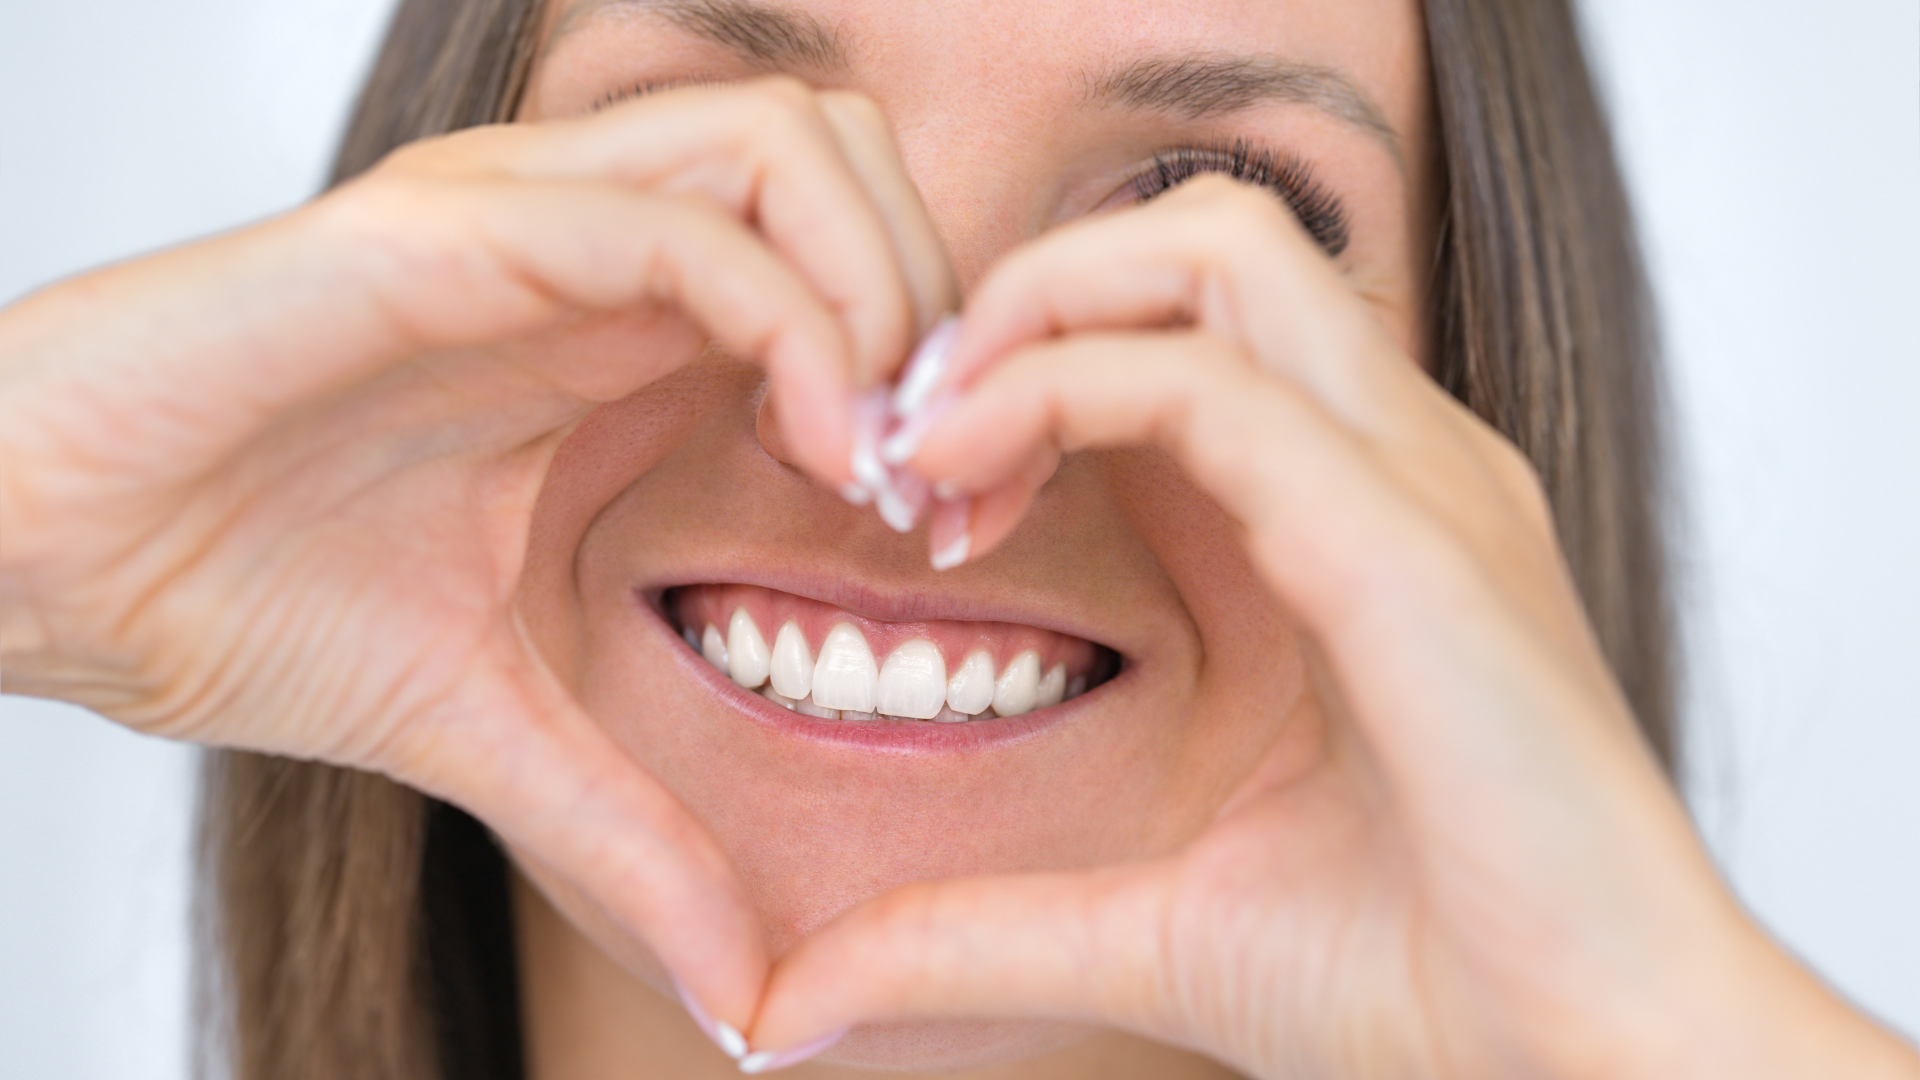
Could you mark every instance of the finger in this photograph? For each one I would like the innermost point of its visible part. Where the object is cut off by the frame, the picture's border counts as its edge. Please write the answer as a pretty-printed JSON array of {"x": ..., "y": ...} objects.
[
  {"x": 1060, "y": 946},
  {"x": 867, "y": 141},
  {"x": 1386, "y": 573},
  {"x": 991, "y": 516},
  {"x": 1268, "y": 453},
  {"x": 1213, "y": 254},
  {"x": 513, "y": 258},
  {"x": 514, "y": 750},
  {"x": 767, "y": 152}
]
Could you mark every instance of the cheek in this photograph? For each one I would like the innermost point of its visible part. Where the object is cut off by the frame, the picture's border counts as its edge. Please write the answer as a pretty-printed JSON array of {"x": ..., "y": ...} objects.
[
  {"x": 611, "y": 448},
  {"x": 1251, "y": 686}
]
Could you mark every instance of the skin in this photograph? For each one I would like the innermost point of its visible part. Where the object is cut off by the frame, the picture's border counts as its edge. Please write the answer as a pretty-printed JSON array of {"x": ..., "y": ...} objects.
[
  {"x": 374, "y": 483},
  {"x": 1122, "y": 544}
]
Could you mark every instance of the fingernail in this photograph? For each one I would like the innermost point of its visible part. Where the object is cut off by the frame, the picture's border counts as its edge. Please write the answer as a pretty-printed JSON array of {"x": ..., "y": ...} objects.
[
  {"x": 855, "y": 494},
  {"x": 902, "y": 500},
  {"x": 869, "y": 421},
  {"x": 724, "y": 1035},
  {"x": 768, "y": 1060},
  {"x": 731, "y": 1042},
  {"x": 946, "y": 490},
  {"x": 927, "y": 366},
  {"x": 899, "y": 447},
  {"x": 951, "y": 533}
]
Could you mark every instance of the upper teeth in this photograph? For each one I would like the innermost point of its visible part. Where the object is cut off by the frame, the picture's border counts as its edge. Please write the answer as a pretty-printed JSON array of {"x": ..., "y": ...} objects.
[
  {"x": 844, "y": 677},
  {"x": 913, "y": 683},
  {"x": 792, "y": 669},
  {"x": 747, "y": 658}
]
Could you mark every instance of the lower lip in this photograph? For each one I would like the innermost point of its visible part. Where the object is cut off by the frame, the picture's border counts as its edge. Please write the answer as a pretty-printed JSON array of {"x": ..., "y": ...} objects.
[{"x": 886, "y": 736}]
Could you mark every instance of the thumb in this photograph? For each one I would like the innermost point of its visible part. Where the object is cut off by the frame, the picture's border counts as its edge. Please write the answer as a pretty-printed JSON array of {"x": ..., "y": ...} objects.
[
  {"x": 1085, "y": 946},
  {"x": 517, "y": 752}
]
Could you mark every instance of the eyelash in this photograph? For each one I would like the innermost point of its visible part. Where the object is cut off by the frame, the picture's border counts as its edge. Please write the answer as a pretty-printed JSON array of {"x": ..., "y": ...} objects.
[
  {"x": 1287, "y": 176},
  {"x": 615, "y": 97}
]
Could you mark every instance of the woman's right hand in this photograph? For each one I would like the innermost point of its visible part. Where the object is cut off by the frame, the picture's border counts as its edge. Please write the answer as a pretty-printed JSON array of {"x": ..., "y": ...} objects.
[{"x": 272, "y": 491}]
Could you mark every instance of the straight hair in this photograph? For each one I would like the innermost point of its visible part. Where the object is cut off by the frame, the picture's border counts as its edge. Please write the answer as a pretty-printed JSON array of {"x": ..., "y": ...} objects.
[{"x": 349, "y": 926}]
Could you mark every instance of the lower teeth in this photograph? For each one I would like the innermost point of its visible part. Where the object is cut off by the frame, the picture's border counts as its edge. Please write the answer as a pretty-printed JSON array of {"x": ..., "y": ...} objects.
[{"x": 806, "y": 707}]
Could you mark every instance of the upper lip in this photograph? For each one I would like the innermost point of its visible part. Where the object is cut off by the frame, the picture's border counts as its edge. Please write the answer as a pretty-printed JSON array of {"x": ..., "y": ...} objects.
[{"x": 906, "y": 603}]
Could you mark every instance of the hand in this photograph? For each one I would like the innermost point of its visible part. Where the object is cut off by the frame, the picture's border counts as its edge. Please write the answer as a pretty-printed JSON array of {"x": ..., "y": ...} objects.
[
  {"x": 1476, "y": 867},
  {"x": 272, "y": 491}
]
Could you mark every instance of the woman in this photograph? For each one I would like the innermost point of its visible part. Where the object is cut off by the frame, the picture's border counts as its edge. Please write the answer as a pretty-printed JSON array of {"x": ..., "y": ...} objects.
[{"x": 435, "y": 485}]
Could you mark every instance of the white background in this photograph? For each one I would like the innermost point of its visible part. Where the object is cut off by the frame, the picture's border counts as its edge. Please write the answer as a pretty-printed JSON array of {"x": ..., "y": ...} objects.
[{"x": 1774, "y": 149}]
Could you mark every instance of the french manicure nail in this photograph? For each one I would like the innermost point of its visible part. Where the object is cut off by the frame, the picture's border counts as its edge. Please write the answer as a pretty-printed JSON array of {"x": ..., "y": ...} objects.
[
  {"x": 927, "y": 366},
  {"x": 869, "y": 421},
  {"x": 951, "y": 533},
  {"x": 899, "y": 447},
  {"x": 724, "y": 1035},
  {"x": 768, "y": 1060},
  {"x": 855, "y": 494},
  {"x": 902, "y": 500}
]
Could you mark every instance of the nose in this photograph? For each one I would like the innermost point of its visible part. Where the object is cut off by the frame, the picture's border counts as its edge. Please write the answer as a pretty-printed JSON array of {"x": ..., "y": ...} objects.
[{"x": 976, "y": 176}]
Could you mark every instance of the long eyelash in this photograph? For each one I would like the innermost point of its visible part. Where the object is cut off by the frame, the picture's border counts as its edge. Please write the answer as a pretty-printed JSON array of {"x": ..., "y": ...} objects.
[
  {"x": 1288, "y": 176},
  {"x": 641, "y": 89}
]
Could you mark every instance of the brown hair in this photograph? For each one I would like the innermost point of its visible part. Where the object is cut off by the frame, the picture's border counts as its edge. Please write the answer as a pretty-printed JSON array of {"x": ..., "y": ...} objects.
[{"x": 354, "y": 928}]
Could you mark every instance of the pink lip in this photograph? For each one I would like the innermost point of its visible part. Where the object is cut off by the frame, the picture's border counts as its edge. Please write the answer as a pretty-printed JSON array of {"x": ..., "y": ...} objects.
[
  {"x": 915, "y": 605},
  {"x": 885, "y": 736}
]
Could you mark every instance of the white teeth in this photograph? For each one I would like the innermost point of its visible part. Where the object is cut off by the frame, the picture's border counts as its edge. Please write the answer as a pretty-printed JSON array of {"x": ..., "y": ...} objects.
[
  {"x": 970, "y": 690},
  {"x": 845, "y": 677},
  {"x": 746, "y": 650},
  {"x": 792, "y": 664},
  {"x": 1053, "y": 687},
  {"x": 844, "y": 683},
  {"x": 913, "y": 683},
  {"x": 713, "y": 648},
  {"x": 1018, "y": 686}
]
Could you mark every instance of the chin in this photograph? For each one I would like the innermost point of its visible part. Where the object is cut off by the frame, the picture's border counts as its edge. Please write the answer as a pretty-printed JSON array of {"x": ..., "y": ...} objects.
[{"x": 951, "y": 1046}]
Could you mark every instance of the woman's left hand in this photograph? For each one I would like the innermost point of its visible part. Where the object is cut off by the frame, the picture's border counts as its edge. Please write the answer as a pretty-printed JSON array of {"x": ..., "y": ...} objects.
[{"x": 1481, "y": 869}]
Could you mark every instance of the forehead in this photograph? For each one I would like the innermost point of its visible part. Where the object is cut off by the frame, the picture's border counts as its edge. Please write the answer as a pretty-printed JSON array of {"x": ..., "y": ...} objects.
[{"x": 1000, "y": 47}]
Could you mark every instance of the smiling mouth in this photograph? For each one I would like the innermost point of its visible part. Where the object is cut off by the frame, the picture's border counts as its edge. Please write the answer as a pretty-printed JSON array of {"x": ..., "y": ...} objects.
[{"x": 830, "y": 664}]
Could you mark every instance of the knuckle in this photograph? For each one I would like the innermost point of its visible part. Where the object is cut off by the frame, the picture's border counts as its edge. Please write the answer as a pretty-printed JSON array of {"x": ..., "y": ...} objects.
[
  {"x": 858, "y": 108},
  {"x": 781, "y": 116},
  {"x": 383, "y": 204},
  {"x": 457, "y": 153},
  {"x": 781, "y": 99}
]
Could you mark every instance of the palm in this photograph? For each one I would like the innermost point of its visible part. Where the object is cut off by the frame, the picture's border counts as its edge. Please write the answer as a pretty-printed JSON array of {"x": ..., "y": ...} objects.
[{"x": 1301, "y": 900}]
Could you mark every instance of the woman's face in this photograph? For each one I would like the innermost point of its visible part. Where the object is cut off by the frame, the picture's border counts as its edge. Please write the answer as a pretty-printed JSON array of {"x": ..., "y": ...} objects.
[{"x": 668, "y": 511}]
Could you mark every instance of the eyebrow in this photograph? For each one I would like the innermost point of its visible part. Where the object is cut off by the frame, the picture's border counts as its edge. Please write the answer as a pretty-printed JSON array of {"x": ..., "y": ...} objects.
[
  {"x": 1193, "y": 87},
  {"x": 1200, "y": 87},
  {"x": 762, "y": 33}
]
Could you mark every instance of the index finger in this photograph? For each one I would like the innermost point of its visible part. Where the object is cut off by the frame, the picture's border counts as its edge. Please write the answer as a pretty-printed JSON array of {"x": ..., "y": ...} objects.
[{"x": 767, "y": 152}]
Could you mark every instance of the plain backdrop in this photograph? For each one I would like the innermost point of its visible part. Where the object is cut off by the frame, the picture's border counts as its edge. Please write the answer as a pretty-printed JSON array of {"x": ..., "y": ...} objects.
[{"x": 1774, "y": 150}]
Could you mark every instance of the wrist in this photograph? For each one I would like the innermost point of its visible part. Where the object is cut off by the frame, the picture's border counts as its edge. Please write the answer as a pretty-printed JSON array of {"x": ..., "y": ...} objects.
[{"x": 1743, "y": 1006}]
